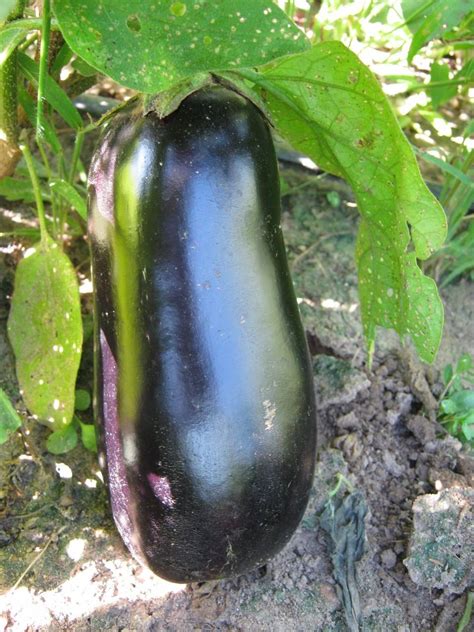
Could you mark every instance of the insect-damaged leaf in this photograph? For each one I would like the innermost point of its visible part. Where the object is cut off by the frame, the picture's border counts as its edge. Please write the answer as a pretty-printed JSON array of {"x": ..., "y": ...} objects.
[
  {"x": 330, "y": 106},
  {"x": 149, "y": 45},
  {"x": 45, "y": 330}
]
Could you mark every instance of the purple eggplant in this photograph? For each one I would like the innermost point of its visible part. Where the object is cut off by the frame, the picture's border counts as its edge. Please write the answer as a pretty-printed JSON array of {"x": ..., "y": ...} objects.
[{"x": 204, "y": 397}]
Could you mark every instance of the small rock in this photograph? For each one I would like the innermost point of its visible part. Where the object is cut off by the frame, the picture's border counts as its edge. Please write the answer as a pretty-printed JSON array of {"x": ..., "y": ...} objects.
[
  {"x": 348, "y": 422},
  {"x": 330, "y": 463},
  {"x": 350, "y": 446},
  {"x": 393, "y": 417},
  {"x": 389, "y": 559},
  {"x": 391, "y": 385},
  {"x": 423, "y": 429},
  {"x": 329, "y": 596},
  {"x": 465, "y": 465},
  {"x": 399, "y": 548},
  {"x": 397, "y": 494},
  {"x": 404, "y": 402},
  {"x": 66, "y": 500},
  {"x": 441, "y": 549},
  {"x": 392, "y": 466},
  {"x": 442, "y": 479},
  {"x": 337, "y": 381}
]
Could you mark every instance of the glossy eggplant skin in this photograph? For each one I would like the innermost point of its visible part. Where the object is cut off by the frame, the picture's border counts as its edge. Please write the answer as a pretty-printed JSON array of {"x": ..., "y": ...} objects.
[{"x": 204, "y": 396}]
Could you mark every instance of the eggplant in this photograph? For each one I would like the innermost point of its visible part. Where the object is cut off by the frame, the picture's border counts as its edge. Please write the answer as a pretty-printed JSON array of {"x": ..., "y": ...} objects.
[{"x": 204, "y": 399}]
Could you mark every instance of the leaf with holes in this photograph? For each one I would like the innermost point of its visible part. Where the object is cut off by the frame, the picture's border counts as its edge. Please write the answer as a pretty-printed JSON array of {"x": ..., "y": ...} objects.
[
  {"x": 149, "y": 45},
  {"x": 329, "y": 106},
  {"x": 45, "y": 330}
]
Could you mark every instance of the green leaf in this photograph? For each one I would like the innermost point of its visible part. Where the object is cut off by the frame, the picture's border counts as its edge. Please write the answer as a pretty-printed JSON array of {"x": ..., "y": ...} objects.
[
  {"x": 28, "y": 104},
  {"x": 9, "y": 418},
  {"x": 53, "y": 93},
  {"x": 83, "y": 400},
  {"x": 438, "y": 17},
  {"x": 9, "y": 40},
  {"x": 468, "y": 432},
  {"x": 62, "y": 441},
  {"x": 447, "y": 373},
  {"x": 32, "y": 233},
  {"x": 149, "y": 45},
  {"x": 441, "y": 94},
  {"x": 13, "y": 189},
  {"x": 448, "y": 407},
  {"x": 88, "y": 436},
  {"x": 69, "y": 193},
  {"x": 83, "y": 68},
  {"x": 465, "y": 363},
  {"x": 168, "y": 101},
  {"x": 284, "y": 187},
  {"x": 328, "y": 105},
  {"x": 45, "y": 330},
  {"x": 464, "y": 400},
  {"x": 61, "y": 59},
  {"x": 334, "y": 199}
]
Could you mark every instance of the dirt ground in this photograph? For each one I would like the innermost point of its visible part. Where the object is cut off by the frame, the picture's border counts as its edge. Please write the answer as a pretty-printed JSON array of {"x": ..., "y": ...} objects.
[{"x": 387, "y": 541}]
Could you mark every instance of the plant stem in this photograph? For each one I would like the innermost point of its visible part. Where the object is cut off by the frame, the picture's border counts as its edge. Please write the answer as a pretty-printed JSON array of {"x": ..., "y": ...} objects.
[
  {"x": 46, "y": 163},
  {"x": 29, "y": 23},
  {"x": 9, "y": 133},
  {"x": 437, "y": 84},
  {"x": 75, "y": 155},
  {"x": 28, "y": 41},
  {"x": 447, "y": 387},
  {"x": 43, "y": 68},
  {"x": 37, "y": 191}
]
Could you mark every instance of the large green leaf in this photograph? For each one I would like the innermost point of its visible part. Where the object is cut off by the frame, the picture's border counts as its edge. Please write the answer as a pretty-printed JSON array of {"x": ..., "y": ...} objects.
[
  {"x": 330, "y": 106},
  {"x": 149, "y": 45},
  {"x": 9, "y": 418},
  {"x": 45, "y": 330}
]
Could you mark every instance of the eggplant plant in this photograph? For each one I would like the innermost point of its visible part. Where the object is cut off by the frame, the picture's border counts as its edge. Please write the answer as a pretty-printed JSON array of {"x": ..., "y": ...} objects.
[{"x": 203, "y": 400}]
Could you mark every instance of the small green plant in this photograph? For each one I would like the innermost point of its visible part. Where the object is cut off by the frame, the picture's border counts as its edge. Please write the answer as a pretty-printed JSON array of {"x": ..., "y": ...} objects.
[
  {"x": 10, "y": 421},
  {"x": 456, "y": 408}
]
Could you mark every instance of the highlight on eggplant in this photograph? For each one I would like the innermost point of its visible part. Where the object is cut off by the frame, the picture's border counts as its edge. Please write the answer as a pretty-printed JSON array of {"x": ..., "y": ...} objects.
[{"x": 204, "y": 399}]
